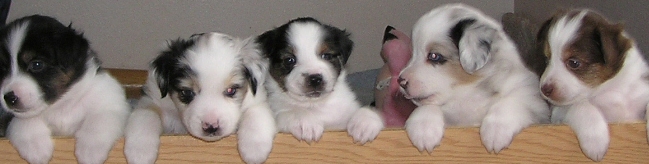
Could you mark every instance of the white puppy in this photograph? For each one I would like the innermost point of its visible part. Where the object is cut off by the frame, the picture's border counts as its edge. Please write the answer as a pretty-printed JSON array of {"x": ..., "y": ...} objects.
[
  {"x": 209, "y": 86},
  {"x": 595, "y": 74},
  {"x": 465, "y": 71},
  {"x": 307, "y": 89},
  {"x": 53, "y": 84}
]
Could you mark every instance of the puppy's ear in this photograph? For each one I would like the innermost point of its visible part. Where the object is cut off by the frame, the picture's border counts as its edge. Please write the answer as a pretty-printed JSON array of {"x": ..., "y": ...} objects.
[
  {"x": 168, "y": 63},
  {"x": 267, "y": 41},
  {"x": 254, "y": 63},
  {"x": 346, "y": 45},
  {"x": 613, "y": 43},
  {"x": 473, "y": 40}
]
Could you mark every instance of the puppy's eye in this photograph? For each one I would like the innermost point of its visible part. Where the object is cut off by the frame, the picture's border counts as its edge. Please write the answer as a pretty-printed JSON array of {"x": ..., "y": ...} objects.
[
  {"x": 573, "y": 63},
  {"x": 290, "y": 61},
  {"x": 435, "y": 57},
  {"x": 327, "y": 56},
  {"x": 36, "y": 66},
  {"x": 230, "y": 92},
  {"x": 186, "y": 96}
]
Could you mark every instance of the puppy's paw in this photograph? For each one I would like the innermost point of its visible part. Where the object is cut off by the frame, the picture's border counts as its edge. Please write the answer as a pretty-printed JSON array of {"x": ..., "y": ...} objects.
[
  {"x": 255, "y": 150},
  {"x": 424, "y": 134},
  {"x": 35, "y": 151},
  {"x": 365, "y": 125},
  {"x": 308, "y": 131},
  {"x": 594, "y": 145},
  {"x": 496, "y": 134},
  {"x": 141, "y": 151}
]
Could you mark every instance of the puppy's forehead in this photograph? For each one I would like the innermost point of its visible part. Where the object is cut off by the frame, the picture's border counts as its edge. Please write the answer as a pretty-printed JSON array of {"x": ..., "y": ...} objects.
[
  {"x": 436, "y": 25},
  {"x": 564, "y": 31},
  {"x": 214, "y": 55},
  {"x": 305, "y": 37},
  {"x": 14, "y": 41}
]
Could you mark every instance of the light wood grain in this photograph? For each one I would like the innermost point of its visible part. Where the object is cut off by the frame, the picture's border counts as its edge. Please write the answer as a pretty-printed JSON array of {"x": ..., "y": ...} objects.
[{"x": 538, "y": 144}]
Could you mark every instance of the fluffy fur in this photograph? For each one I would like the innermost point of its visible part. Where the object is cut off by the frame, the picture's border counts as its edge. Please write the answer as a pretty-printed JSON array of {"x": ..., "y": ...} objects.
[
  {"x": 465, "y": 71},
  {"x": 595, "y": 74},
  {"x": 53, "y": 84},
  {"x": 307, "y": 89},
  {"x": 210, "y": 87}
]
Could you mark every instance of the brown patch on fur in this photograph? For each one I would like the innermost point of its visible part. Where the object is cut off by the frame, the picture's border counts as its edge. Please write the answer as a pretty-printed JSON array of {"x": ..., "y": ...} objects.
[
  {"x": 323, "y": 48},
  {"x": 600, "y": 47},
  {"x": 452, "y": 66}
]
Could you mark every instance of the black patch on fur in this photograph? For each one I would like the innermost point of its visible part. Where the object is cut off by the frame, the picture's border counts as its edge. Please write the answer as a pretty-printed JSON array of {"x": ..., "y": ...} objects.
[
  {"x": 458, "y": 30},
  {"x": 387, "y": 35},
  {"x": 252, "y": 80},
  {"x": 275, "y": 46},
  {"x": 168, "y": 68},
  {"x": 62, "y": 50}
]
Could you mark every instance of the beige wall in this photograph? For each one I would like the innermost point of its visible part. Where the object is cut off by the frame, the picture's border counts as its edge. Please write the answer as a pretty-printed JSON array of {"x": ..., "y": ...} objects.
[
  {"x": 633, "y": 13},
  {"x": 130, "y": 33}
]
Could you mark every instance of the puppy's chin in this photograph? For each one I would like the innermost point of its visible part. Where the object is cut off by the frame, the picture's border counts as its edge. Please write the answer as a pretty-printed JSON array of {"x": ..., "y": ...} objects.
[
  {"x": 561, "y": 100},
  {"x": 309, "y": 95},
  {"x": 29, "y": 112}
]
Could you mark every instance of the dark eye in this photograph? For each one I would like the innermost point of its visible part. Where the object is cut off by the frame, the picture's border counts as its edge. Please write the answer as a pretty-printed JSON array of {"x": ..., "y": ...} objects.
[
  {"x": 36, "y": 66},
  {"x": 186, "y": 96},
  {"x": 290, "y": 61},
  {"x": 327, "y": 56},
  {"x": 435, "y": 57},
  {"x": 573, "y": 63},
  {"x": 230, "y": 92}
]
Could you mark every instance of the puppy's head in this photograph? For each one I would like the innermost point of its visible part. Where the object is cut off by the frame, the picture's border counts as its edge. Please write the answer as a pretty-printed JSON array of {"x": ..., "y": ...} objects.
[
  {"x": 209, "y": 77},
  {"x": 306, "y": 57},
  {"x": 451, "y": 44},
  {"x": 583, "y": 50},
  {"x": 40, "y": 60}
]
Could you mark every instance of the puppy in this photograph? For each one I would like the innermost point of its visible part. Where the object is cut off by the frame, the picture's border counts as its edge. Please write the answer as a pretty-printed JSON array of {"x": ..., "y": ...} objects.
[
  {"x": 53, "y": 84},
  {"x": 307, "y": 89},
  {"x": 595, "y": 74},
  {"x": 465, "y": 71},
  {"x": 209, "y": 86}
]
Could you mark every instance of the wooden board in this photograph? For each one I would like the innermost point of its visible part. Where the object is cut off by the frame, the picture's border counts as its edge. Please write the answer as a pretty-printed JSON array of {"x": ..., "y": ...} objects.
[{"x": 537, "y": 144}]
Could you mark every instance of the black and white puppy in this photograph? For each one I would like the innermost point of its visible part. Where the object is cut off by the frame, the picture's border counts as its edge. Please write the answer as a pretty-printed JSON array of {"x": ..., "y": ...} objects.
[
  {"x": 595, "y": 74},
  {"x": 53, "y": 84},
  {"x": 209, "y": 86},
  {"x": 307, "y": 89},
  {"x": 465, "y": 71}
]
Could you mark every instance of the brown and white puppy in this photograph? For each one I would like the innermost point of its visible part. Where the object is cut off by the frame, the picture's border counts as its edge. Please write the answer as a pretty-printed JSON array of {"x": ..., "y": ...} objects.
[
  {"x": 465, "y": 71},
  {"x": 595, "y": 74}
]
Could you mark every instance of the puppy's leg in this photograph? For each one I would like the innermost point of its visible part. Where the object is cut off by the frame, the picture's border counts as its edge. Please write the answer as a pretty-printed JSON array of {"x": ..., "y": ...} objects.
[
  {"x": 302, "y": 124},
  {"x": 425, "y": 127},
  {"x": 591, "y": 129},
  {"x": 365, "y": 125},
  {"x": 142, "y": 136},
  {"x": 99, "y": 131},
  {"x": 256, "y": 133},
  {"x": 507, "y": 117},
  {"x": 32, "y": 138}
]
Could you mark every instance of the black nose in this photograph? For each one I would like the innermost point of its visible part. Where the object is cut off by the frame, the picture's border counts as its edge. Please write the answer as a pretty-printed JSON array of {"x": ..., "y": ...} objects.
[
  {"x": 314, "y": 80},
  {"x": 403, "y": 83},
  {"x": 210, "y": 129},
  {"x": 11, "y": 98}
]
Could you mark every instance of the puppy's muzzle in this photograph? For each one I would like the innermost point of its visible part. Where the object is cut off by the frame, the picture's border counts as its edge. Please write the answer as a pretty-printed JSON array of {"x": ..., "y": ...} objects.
[{"x": 211, "y": 129}]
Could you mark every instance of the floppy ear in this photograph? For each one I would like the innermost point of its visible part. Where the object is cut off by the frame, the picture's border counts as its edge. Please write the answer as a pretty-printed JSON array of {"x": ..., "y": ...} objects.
[
  {"x": 346, "y": 44},
  {"x": 254, "y": 63},
  {"x": 167, "y": 63},
  {"x": 613, "y": 43},
  {"x": 474, "y": 43}
]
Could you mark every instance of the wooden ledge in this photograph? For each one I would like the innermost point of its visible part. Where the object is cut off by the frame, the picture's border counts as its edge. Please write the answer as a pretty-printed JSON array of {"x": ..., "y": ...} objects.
[{"x": 537, "y": 144}]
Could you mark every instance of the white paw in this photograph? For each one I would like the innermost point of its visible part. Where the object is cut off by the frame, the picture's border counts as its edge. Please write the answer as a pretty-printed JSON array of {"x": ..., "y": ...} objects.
[
  {"x": 308, "y": 131},
  {"x": 425, "y": 134},
  {"x": 35, "y": 151},
  {"x": 141, "y": 151},
  {"x": 594, "y": 145},
  {"x": 255, "y": 150},
  {"x": 497, "y": 135},
  {"x": 364, "y": 126}
]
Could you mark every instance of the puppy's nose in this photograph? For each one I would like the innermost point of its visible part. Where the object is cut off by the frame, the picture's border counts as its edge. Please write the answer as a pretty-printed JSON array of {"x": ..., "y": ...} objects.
[
  {"x": 210, "y": 128},
  {"x": 403, "y": 82},
  {"x": 11, "y": 98},
  {"x": 314, "y": 80},
  {"x": 547, "y": 89}
]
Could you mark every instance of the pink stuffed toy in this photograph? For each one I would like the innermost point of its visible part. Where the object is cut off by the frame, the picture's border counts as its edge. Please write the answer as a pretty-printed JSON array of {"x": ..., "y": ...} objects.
[{"x": 396, "y": 52}]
